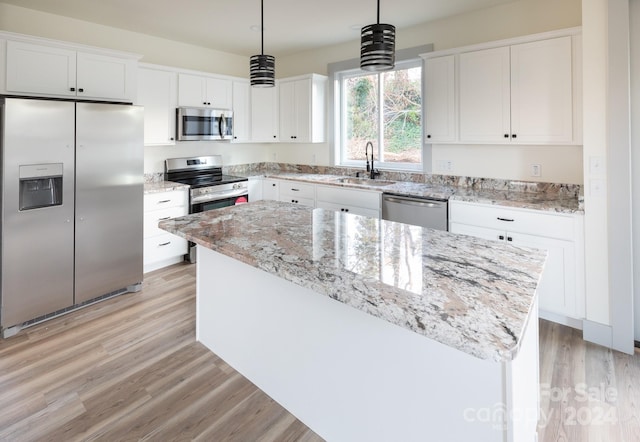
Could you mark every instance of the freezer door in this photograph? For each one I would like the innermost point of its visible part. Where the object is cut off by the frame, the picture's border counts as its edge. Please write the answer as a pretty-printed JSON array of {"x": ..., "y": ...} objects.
[
  {"x": 109, "y": 198},
  {"x": 37, "y": 242}
]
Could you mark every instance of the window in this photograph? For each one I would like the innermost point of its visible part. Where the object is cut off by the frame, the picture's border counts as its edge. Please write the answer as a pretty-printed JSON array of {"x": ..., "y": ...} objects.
[{"x": 384, "y": 108}]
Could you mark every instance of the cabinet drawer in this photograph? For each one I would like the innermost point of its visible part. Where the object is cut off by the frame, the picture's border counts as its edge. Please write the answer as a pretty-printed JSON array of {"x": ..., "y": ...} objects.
[
  {"x": 371, "y": 213},
  {"x": 309, "y": 202},
  {"x": 349, "y": 197},
  {"x": 152, "y": 217},
  {"x": 163, "y": 247},
  {"x": 296, "y": 190},
  {"x": 161, "y": 200},
  {"x": 513, "y": 220}
]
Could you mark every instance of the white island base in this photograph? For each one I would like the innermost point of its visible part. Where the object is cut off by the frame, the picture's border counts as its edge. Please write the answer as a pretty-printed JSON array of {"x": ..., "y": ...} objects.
[{"x": 352, "y": 377}]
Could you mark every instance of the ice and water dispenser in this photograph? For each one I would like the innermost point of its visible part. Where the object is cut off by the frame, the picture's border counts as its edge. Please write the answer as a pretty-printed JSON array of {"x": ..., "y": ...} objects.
[{"x": 40, "y": 185}]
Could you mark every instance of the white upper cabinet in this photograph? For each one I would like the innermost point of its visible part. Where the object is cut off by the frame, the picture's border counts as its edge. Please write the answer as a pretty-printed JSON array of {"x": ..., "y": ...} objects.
[
  {"x": 541, "y": 92},
  {"x": 520, "y": 91},
  {"x": 485, "y": 90},
  {"x": 158, "y": 93},
  {"x": 43, "y": 70},
  {"x": 264, "y": 114},
  {"x": 302, "y": 109},
  {"x": 203, "y": 91},
  {"x": 241, "y": 111},
  {"x": 440, "y": 100}
]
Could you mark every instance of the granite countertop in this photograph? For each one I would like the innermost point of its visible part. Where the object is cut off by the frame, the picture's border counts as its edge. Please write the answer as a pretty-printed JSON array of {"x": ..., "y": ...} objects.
[
  {"x": 551, "y": 202},
  {"x": 470, "y": 294},
  {"x": 163, "y": 186}
]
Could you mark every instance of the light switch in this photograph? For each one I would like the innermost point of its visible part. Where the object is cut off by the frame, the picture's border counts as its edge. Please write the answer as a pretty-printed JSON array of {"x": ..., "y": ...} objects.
[
  {"x": 596, "y": 165},
  {"x": 597, "y": 187}
]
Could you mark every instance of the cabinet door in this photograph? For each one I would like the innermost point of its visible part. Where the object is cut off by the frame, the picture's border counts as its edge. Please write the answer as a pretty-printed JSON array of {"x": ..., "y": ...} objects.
[
  {"x": 191, "y": 90},
  {"x": 219, "y": 93},
  {"x": 103, "y": 77},
  {"x": 270, "y": 189},
  {"x": 485, "y": 96},
  {"x": 157, "y": 92},
  {"x": 302, "y": 111},
  {"x": 40, "y": 70},
  {"x": 264, "y": 114},
  {"x": 288, "y": 121},
  {"x": 439, "y": 100},
  {"x": 371, "y": 213},
  {"x": 541, "y": 92},
  {"x": 241, "y": 112},
  {"x": 557, "y": 288}
]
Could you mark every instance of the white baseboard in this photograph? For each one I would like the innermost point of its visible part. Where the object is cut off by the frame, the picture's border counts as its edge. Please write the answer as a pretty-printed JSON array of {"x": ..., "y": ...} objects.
[
  {"x": 597, "y": 333},
  {"x": 561, "y": 319}
]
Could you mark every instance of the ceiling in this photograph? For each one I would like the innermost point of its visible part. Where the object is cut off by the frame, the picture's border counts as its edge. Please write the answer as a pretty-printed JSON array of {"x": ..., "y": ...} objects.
[{"x": 233, "y": 26}]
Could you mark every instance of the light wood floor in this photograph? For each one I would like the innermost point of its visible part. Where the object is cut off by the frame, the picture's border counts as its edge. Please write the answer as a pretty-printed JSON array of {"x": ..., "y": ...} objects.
[{"x": 130, "y": 369}]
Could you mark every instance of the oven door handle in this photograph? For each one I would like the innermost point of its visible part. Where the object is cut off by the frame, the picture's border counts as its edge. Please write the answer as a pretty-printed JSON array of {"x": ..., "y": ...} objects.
[{"x": 218, "y": 196}]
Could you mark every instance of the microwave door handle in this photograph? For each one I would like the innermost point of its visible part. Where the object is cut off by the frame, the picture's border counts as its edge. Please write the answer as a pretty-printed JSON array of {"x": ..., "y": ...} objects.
[{"x": 222, "y": 126}]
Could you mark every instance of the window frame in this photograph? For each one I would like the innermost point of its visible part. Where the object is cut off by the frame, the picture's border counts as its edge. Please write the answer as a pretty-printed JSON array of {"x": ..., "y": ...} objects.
[{"x": 339, "y": 108}]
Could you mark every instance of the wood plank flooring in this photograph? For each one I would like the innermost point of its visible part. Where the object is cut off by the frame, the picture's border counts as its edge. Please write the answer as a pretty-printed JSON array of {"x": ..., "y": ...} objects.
[{"x": 130, "y": 369}]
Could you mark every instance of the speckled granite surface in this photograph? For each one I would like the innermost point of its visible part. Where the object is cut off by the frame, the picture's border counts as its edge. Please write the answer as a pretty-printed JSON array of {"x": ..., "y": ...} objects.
[
  {"x": 467, "y": 293},
  {"x": 163, "y": 186}
]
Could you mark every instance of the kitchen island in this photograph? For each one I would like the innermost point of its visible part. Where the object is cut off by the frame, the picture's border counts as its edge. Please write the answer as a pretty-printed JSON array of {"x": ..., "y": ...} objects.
[{"x": 366, "y": 329}]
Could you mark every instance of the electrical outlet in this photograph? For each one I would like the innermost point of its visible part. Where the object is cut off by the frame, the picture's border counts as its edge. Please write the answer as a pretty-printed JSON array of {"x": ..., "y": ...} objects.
[
  {"x": 596, "y": 186},
  {"x": 536, "y": 170},
  {"x": 444, "y": 165},
  {"x": 449, "y": 166},
  {"x": 596, "y": 165},
  {"x": 313, "y": 159}
]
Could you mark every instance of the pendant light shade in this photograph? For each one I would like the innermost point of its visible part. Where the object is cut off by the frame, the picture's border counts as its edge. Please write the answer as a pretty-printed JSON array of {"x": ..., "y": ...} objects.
[
  {"x": 378, "y": 46},
  {"x": 262, "y": 68}
]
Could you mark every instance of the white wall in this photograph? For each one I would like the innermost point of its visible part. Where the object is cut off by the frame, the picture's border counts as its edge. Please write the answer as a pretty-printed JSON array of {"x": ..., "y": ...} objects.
[{"x": 153, "y": 49}]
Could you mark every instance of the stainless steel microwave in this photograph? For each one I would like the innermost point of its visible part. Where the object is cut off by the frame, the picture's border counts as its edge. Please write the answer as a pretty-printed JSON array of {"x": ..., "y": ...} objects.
[{"x": 198, "y": 123}]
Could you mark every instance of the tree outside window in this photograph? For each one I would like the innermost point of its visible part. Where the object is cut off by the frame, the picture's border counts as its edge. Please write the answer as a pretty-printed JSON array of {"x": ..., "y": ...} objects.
[{"x": 386, "y": 109}]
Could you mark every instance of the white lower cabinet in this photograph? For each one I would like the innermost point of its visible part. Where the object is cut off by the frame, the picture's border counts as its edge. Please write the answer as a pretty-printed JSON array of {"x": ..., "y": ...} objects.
[
  {"x": 358, "y": 202},
  {"x": 297, "y": 193},
  {"x": 160, "y": 247},
  {"x": 561, "y": 291}
]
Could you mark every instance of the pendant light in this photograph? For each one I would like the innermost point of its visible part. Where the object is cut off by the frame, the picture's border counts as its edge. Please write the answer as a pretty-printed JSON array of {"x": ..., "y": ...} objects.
[
  {"x": 262, "y": 68},
  {"x": 377, "y": 46}
]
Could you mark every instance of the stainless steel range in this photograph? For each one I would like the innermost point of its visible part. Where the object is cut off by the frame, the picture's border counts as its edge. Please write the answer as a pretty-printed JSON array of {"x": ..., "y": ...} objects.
[{"x": 209, "y": 188}]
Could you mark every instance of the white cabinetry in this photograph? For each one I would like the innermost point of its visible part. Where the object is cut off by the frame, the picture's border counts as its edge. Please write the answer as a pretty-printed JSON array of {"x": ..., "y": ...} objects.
[
  {"x": 162, "y": 248},
  {"x": 158, "y": 93},
  {"x": 270, "y": 189},
  {"x": 241, "y": 111},
  {"x": 203, "y": 91},
  {"x": 521, "y": 94},
  {"x": 359, "y": 202},
  {"x": 264, "y": 114},
  {"x": 297, "y": 192},
  {"x": 520, "y": 91},
  {"x": 302, "y": 109},
  {"x": 440, "y": 100},
  {"x": 61, "y": 71},
  {"x": 561, "y": 290}
]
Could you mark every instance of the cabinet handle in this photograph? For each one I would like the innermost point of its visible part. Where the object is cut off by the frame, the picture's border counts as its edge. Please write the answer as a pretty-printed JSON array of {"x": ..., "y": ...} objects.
[
  {"x": 275, "y": 136},
  {"x": 72, "y": 89},
  {"x": 506, "y": 135},
  {"x": 428, "y": 136},
  {"x": 295, "y": 190},
  {"x": 165, "y": 218},
  {"x": 501, "y": 237},
  {"x": 509, "y": 238},
  {"x": 509, "y": 220},
  {"x": 164, "y": 244},
  {"x": 171, "y": 139},
  {"x": 164, "y": 201},
  {"x": 514, "y": 136},
  {"x": 274, "y": 184},
  {"x": 81, "y": 90}
]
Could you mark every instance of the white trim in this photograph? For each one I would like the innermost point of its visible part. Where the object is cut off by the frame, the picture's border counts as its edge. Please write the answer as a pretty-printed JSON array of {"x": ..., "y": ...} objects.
[
  {"x": 597, "y": 333},
  {"x": 506, "y": 42}
]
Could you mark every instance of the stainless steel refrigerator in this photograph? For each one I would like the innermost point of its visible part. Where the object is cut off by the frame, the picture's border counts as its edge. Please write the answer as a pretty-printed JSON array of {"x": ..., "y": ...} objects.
[{"x": 72, "y": 205}]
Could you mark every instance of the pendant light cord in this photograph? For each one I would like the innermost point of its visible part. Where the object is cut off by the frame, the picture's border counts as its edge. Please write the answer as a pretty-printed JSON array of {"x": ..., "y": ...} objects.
[
  {"x": 378, "y": 11},
  {"x": 262, "y": 26}
]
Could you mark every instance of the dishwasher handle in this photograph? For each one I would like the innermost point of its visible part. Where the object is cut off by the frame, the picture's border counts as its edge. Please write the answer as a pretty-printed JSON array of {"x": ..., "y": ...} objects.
[{"x": 413, "y": 201}]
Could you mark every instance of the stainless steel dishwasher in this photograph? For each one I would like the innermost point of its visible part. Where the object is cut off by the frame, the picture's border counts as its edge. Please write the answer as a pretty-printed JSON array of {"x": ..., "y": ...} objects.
[{"x": 417, "y": 211}]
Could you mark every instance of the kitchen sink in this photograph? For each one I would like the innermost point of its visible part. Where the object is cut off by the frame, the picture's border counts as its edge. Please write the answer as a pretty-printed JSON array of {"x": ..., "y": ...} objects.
[{"x": 365, "y": 181}]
